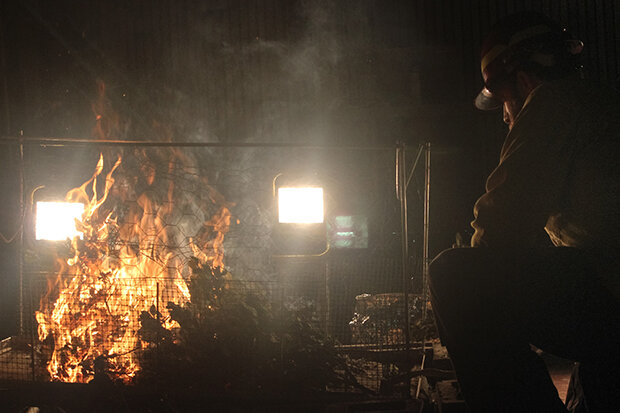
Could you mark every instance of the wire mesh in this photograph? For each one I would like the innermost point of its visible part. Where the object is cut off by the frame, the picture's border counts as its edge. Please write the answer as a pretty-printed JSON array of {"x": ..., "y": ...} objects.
[{"x": 164, "y": 212}]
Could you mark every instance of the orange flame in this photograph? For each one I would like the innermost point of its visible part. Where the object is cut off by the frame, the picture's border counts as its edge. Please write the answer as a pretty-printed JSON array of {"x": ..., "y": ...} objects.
[{"x": 121, "y": 268}]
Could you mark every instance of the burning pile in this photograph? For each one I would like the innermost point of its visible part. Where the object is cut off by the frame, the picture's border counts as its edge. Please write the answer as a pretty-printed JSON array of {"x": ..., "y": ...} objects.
[{"x": 130, "y": 259}]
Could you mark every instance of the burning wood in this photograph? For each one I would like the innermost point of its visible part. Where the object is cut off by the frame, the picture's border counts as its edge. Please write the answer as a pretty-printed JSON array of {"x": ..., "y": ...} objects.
[{"x": 129, "y": 260}]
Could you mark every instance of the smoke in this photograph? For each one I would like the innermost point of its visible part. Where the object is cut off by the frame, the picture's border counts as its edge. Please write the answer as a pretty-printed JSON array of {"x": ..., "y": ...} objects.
[
  {"x": 264, "y": 85},
  {"x": 269, "y": 90},
  {"x": 316, "y": 56},
  {"x": 214, "y": 72}
]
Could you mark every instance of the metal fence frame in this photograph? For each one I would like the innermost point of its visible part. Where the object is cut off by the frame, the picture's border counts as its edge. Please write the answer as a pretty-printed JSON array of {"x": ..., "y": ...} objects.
[{"x": 404, "y": 171}]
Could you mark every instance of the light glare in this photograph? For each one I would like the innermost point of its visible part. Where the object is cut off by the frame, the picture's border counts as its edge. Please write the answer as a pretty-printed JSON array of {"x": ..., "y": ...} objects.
[
  {"x": 55, "y": 221},
  {"x": 300, "y": 205}
]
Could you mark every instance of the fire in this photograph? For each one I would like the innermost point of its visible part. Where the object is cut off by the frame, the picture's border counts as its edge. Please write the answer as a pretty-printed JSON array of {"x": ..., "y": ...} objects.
[{"x": 124, "y": 264}]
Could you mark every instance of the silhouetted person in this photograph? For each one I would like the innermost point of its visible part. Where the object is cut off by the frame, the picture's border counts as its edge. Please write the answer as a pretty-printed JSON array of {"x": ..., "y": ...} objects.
[{"x": 559, "y": 173}]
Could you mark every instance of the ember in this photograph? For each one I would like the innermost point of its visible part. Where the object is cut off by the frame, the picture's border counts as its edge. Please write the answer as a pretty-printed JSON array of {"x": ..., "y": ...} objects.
[{"x": 128, "y": 260}]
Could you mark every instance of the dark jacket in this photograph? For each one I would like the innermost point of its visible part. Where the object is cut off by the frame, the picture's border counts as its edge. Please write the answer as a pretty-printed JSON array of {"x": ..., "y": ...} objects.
[{"x": 559, "y": 170}]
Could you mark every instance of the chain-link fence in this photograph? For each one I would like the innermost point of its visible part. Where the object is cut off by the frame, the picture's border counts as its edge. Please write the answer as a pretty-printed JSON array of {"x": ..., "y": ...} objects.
[{"x": 198, "y": 227}]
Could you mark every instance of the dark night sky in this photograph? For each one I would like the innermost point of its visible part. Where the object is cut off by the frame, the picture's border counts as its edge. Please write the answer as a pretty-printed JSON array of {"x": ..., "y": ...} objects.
[{"x": 347, "y": 72}]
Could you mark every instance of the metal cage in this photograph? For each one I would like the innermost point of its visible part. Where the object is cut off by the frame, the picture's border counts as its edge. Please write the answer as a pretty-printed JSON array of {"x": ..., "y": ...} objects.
[{"x": 364, "y": 285}]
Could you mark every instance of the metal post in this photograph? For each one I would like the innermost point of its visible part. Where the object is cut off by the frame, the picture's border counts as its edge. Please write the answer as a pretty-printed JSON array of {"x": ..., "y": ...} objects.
[
  {"x": 328, "y": 309},
  {"x": 427, "y": 197},
  {"x": 401, "y": 181},
  {"x": 20, "y": 262}
]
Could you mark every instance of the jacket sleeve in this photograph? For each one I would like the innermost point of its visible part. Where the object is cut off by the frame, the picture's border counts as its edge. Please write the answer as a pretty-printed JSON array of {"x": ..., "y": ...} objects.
[{"x": 526, "y": 186}]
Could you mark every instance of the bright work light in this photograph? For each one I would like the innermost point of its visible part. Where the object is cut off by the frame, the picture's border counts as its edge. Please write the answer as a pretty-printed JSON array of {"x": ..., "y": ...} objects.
[
  {"x": 300, "y": 205},
  {"x": 55, "y": 221}
]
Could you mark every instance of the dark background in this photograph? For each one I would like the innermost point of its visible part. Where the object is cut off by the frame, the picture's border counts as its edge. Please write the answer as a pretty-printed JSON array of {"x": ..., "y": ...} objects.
[{"x": 320, "y": 72}]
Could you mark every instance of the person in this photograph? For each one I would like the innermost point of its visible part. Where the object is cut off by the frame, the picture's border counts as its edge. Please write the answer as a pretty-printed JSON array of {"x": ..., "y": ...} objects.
[{"x": 558, "y": 180}]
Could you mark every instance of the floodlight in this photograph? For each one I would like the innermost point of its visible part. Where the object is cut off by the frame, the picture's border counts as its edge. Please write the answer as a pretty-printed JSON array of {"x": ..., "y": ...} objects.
[
  {"x": 55, "y": 221},
  {"x": 300, "y": 205}
]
